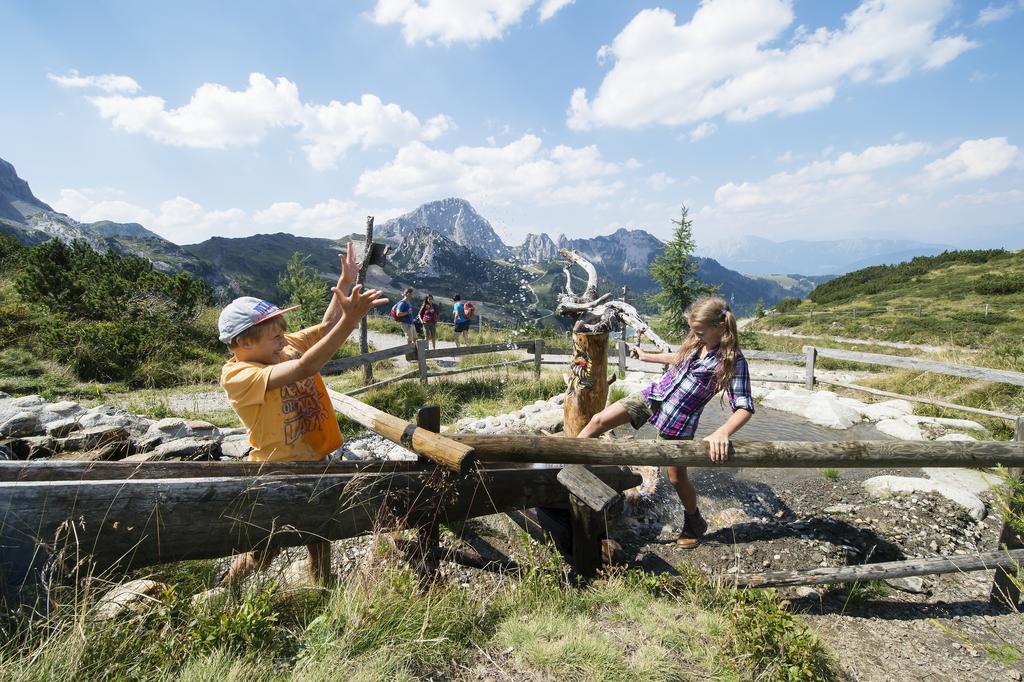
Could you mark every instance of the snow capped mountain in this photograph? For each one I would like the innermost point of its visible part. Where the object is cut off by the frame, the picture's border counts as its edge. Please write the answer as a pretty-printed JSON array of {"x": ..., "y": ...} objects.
[{"x": 454, "y": 218}]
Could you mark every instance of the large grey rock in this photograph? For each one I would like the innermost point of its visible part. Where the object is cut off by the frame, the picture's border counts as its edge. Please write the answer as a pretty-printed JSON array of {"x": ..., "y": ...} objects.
[
  {"x": 65, "y": 408},
  {"x": 28, "y": 401},
  {"x": 887, "y": 409},
  {"x": 826, "y": 409},
  {"x": 22, "y": 423},
  {"x": 61, "y": 428},
  {"x": 186, "y": 449},
  {"x": 90, "y": 439},
  {"x": 548, "y": 420},
  {"x": 131, "y": 597},
  {"x": 235, "y": 447},
  {"x": 174, "y": 427},
  {"x": 93, "y": 419},
  {"x": 901, "y": 429}
]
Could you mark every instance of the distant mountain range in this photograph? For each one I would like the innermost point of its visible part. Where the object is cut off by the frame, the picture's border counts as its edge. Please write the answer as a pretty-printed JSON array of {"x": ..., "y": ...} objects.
[
  {"x": 759, "y": 256},
  {"x": 443, "y": 246}
]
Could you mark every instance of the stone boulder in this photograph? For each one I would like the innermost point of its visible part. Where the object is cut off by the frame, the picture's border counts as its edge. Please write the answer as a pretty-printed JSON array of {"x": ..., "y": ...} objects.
[
  {"x": 547, "y": 420},
  {"x": 21, "y": 423},
  {"x": 826, "y": 409},
  {"x": 886, "y": 486},
  {"x": 131, "y": 597},
  {"x": 174, "y": 427},
  {"x": 189, "y": 449},
  {"x": 901, "y": 429}
]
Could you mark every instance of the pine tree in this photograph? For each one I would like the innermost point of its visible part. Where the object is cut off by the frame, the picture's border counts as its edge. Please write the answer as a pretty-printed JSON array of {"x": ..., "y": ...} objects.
[
  {"x": 759, "y": 308},
  {"x": 676, "y": 271},
  {"x": 303, "y": 287}
]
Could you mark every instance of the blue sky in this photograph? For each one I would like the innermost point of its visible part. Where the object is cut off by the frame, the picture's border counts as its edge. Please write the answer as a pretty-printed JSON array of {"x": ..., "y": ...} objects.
[{"x": 776, "y": 118}]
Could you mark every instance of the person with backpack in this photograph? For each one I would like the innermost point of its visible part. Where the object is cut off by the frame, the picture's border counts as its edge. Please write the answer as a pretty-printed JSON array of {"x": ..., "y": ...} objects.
[
  {"x": 429, "y": 314},
  {"x": 462, "y": 315},
  {"x": 402, "y": 313}
]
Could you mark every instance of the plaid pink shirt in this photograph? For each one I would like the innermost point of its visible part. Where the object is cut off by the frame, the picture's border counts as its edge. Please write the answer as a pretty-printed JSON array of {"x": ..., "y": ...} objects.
[{"x": 678, "y": 398}]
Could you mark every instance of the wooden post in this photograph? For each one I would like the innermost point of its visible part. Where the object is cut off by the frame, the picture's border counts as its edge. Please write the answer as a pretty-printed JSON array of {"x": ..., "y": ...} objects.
[
  {"x": 812, "y": 354},
  {"x": 428, "y": 534},
  {"x": 1004, "y": 590},
  {"x": 588, "y": 386},
  {"x": 586, "y": 396},
  {"x": 622, "y": 358},
  {"x": 421, "y": 349},
  {"x": 364, "y": 344},
  {"x": 538, "y": 357}
]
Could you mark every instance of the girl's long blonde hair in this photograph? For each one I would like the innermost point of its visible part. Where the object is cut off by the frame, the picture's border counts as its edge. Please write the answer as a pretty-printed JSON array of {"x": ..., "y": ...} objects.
[{"x": 713, "y": 311}]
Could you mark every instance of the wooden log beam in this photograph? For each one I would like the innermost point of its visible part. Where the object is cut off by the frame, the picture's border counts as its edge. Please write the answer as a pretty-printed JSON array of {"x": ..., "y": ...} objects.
[
  {"x": 772, "y": 454},
  {"x": 71, "y": 470},
  {"x": 925, "y": 401},
  {"x": 132, "y": 523},
  {"x": 503, "y": 347},
  {"x": 967, "y": 371},
  {"x": 433, "y": 446},
  {"x": 880, "y": 571}
]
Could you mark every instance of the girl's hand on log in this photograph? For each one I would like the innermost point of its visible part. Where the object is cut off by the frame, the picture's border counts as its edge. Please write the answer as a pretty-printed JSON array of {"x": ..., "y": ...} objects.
[
  {"x": 718, "y": 447},
  {"x": 634, "y": 351}
]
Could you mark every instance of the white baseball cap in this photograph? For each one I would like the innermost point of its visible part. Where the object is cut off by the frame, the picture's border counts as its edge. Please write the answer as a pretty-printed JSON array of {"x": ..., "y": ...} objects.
[{"x": 245, "y": 312}]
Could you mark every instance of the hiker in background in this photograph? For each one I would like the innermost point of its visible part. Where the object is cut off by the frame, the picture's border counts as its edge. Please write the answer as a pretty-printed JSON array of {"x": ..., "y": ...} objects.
[
  {"x": 428, "y": 315},
  {"x": 402, "y": 312},
  {"x": 273, "y": 384},
  {"x": 462, "y": 314},
  {"x": 709, "y": 361}
]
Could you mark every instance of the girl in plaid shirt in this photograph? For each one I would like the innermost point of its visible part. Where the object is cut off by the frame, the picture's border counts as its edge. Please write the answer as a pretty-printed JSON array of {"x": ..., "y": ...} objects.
[{"x": 708, "y": 361}]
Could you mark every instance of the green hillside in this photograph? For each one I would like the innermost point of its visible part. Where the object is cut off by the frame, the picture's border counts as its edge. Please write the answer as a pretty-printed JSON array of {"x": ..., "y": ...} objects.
[{"x": 937, "y": 300}]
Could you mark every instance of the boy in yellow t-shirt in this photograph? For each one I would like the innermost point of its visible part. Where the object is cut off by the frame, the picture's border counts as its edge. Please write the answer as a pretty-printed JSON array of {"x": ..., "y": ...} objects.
[{"x": 273, "y": 383}]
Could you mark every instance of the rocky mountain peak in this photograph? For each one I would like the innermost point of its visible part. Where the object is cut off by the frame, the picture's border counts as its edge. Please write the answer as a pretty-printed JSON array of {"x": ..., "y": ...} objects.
[
  {"x": 537, "y": 248},
  {"x": 453, "y": 218},
  {"x": 17, "y": 202}
]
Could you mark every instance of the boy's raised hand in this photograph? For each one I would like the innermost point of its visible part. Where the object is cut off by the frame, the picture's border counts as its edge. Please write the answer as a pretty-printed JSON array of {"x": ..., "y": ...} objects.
[
  {"x": 349, "y": 267},
  {"x": 359, "y": 302}
]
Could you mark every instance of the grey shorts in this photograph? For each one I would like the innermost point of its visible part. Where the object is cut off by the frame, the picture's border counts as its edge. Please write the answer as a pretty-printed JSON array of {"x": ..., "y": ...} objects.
[
  {"x": 430, "y": 329},
  {"x": 640, "y": 413},
  {"x": 637, "y": 408}
]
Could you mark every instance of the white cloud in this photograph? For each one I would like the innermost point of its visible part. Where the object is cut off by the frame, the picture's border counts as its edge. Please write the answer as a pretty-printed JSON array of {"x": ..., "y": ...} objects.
[
  {"x": 217, "y": 117},
  {"x": 659, "y": 181},
  {"x": 723, "y": 62},
  {"x": 705, "y": 129},
  {"x": 985, "y": 197},
  {"x": 550, "y": 8},
  {"x": 458, "y": 21},
  {"x": 522, "y": 170},
  {"x": 995, "y": 13},
  {"x": 848, "y": 177},
  {"x": 975, "y": 160},
  {"x": 107, "y": 82},
  {"x": 184, "y": 221}
]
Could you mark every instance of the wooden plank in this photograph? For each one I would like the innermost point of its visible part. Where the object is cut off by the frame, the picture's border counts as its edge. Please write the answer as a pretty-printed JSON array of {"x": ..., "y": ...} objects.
[
  {"x": 434, "y": 446},
  {"x": 811, "y": 354},
  {"x": 342, "y": 364},
  {"x": 132, "y": 523},
  {"x": 421, "y": 359},
  {"x": 364, "y": 344},
  {"x": 967, "y": 371},
  {"x": 71, "y": 470},
  {"x": 538, "y": 357},
  {"x": 772, "y": 356},
  {"x": 587, "y": 487},
  {"x": 384, "y": 382},
  {"x": 773, "y": 454},
  {"x": 463, "y": 370},
  {"x": 879, "y": 571},
  {"x": 587, "y": 529},
  {"x": 507, "y": 346},
  {"x": 926, "y": 401},
  {"x": 587, "y": 392},
  {"x": 621, "y": 347},
  {"x": 1005, "y": 590}
]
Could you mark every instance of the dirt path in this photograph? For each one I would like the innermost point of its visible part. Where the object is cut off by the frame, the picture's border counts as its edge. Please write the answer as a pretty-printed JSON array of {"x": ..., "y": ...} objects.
[
  {"x": 924, "y": 348},
  {"x": 780, "y": 519}
]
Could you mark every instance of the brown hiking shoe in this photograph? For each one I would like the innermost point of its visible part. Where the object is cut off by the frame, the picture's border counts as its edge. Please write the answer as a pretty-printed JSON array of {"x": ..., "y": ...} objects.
[{"x": 693, "y": 530}]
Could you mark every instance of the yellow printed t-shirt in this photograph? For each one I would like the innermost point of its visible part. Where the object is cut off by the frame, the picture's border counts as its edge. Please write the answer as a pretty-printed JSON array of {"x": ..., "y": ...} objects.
[{"x": 292, "y": 423}]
